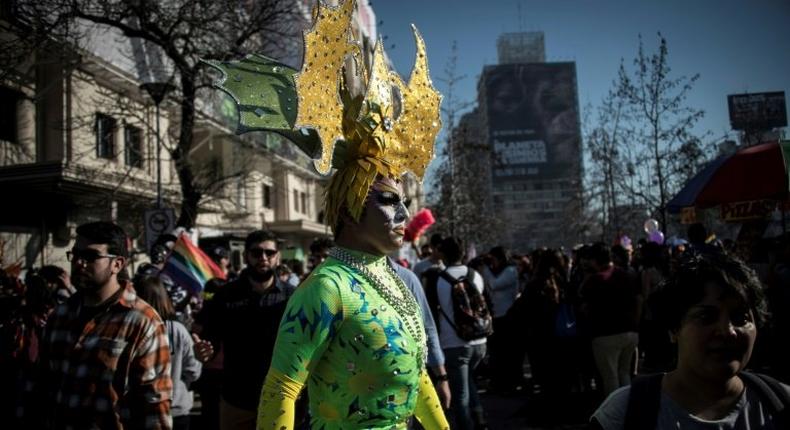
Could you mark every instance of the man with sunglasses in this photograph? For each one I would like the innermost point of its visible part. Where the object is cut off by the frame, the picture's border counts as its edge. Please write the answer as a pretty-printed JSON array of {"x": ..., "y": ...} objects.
[
  {"x": 105, "y": 358},
  {"x": 242, "y": 318}
]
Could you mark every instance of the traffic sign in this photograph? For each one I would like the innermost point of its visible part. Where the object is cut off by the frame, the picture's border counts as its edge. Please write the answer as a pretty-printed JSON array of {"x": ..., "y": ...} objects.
[{"x": 158, "y": 222}]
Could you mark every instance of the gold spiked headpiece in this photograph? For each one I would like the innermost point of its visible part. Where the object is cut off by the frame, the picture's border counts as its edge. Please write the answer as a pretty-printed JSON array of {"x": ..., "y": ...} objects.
[{"x": 387, "y": 131}]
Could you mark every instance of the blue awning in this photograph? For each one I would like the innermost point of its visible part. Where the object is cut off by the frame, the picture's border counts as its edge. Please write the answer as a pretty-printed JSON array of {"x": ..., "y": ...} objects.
[{"x": 688, "y": 194}]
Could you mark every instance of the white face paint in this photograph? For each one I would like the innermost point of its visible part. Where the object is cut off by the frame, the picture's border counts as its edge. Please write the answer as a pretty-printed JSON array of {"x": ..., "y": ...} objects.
[{"x": 383, "y": 221}]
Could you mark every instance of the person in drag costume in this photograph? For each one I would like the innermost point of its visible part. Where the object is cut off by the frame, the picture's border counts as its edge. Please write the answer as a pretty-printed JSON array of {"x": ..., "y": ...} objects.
[{"x": 352, "y": 332}]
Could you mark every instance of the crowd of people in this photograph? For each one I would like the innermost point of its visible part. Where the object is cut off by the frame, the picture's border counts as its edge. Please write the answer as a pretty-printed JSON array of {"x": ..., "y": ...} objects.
[
  {"x": 592, "y": 319},
  {"x": 98, "y": 347}
]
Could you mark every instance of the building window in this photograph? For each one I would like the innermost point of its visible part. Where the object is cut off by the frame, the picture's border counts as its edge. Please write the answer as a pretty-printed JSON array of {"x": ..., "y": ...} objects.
[
  {"x": 296, "y": 201},
  {"x": 267, "y": 196},
  {"x": 133, "y": 146},
  {"x": 105, "y": 136},
  {"x": 8, "y": 111},
  {"x": 303, "y": 197}
]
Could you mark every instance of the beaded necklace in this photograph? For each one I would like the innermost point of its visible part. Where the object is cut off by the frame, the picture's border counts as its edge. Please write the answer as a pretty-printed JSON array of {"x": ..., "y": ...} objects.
[{"x": 406, "y": 306}]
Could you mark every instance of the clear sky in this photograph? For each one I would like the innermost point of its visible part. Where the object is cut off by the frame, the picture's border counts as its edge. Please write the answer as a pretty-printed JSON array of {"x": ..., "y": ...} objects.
[{"x": 735, "y": 45}]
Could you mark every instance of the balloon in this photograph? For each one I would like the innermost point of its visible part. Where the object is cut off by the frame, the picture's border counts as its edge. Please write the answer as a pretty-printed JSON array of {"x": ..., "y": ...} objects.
[
  {"x": 657, "y": 237},
  {"x": 625, "y": 242},
  {"x": 651, "y": 226}
]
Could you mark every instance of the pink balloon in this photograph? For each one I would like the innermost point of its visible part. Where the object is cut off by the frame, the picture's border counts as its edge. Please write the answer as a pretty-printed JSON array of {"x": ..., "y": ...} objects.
[{"x": 657, "y": 237}]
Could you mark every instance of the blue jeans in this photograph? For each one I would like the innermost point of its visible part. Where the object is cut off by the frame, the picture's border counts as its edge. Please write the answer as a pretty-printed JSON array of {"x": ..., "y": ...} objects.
[{"x": 460, "y": 364}]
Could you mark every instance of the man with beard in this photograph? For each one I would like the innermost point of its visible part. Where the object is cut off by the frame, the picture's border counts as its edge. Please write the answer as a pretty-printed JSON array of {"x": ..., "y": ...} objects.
[
  {"x": 105, "y": 360},
  {"x": 242, "y": 319}
]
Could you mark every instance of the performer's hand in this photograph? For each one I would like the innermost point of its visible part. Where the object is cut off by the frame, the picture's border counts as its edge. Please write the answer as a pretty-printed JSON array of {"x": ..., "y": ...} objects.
[
  {"x": 204, "y": 350},
  {"x": 443, "y": 390}
]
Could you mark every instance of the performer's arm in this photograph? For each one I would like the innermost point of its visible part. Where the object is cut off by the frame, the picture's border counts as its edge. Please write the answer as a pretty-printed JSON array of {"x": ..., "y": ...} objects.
[
  {"x": 435, "y": 354},
  {"x": 312, "y": 316},
  {"x": 429, "y": 410}
]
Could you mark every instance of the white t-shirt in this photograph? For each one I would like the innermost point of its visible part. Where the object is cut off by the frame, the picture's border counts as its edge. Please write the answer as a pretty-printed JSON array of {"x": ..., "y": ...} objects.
[
  {"x": 447, "y": 335},
  {"x": 424, "y": 265},
  {"x": 748, "y": 413},
  {"x": 504, "y": 288}
]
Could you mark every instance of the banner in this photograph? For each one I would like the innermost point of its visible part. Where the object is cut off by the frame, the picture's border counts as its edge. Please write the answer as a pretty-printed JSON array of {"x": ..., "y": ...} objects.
[
  {"x": 757, "y": 111},
  {"x": 749, "y": 210}
]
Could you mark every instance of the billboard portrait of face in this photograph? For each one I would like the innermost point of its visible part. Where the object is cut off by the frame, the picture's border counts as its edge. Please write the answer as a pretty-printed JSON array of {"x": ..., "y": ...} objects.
[{"x": 530, "y": 106}]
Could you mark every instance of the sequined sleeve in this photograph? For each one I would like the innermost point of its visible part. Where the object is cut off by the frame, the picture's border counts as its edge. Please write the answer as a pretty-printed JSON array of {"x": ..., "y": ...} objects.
[
  {"x": 311, "y": 320},
  {"x": 429, "y": 409}
]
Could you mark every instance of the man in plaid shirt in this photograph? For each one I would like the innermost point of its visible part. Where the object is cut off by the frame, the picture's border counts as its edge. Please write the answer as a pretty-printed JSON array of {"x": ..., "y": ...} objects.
[{"x": 105, "y": 358}]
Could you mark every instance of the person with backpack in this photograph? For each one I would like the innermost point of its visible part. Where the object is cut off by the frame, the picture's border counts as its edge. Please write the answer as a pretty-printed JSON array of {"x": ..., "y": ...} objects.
[
  {"x": 712, "y": 307},
  {"x": 456, "y": 296}
]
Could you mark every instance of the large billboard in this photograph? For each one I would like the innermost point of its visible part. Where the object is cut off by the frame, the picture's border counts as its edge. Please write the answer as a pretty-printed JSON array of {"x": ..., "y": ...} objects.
[
  {"x": 757, "y": 111},
  {"x": 533, "y": 120}
]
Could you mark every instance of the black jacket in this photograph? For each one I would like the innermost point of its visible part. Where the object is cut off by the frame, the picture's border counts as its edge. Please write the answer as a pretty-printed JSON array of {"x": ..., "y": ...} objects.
[{"x": 245, "y": 324}]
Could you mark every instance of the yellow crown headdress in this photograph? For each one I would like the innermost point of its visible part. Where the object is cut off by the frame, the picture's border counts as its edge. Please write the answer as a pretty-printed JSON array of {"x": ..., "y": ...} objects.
[{"x": 387, "y": 131}]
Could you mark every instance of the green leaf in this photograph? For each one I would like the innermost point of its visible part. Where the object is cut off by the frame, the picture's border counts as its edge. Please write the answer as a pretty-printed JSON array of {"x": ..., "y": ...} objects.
[{"x": 264, "y": 92}]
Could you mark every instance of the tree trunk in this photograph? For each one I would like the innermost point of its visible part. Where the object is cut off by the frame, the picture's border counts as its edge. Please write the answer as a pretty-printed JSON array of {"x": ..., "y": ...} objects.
[
  {"x": 190, "y": 194},
  {"x": 662, "y": 193}
]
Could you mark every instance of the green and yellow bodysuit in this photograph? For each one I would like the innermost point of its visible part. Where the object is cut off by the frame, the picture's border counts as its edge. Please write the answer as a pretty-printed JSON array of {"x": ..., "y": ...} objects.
[{"x": 348, "y": 332}]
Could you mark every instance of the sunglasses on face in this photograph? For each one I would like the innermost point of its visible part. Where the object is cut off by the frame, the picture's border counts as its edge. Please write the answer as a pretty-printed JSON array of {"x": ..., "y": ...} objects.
[
  {"x": 258, "y": 252},
  {"x": 87, "y": 255}
]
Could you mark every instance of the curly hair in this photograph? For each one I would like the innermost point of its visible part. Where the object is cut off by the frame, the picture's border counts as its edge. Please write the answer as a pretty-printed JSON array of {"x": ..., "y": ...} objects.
[{"x": 687, "y": 286}]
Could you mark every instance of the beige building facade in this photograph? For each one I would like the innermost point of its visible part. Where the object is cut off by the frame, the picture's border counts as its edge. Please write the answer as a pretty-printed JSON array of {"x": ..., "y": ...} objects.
[{"x": 79, "y": 144}]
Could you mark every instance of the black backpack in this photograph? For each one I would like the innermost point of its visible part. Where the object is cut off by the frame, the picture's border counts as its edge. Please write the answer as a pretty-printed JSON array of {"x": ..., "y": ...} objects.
[
  {"x": 471, "y": 313},
  {"x": 645, "y": 397}
]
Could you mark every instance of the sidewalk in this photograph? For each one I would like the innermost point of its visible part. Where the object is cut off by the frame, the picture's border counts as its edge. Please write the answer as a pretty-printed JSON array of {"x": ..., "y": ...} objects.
[
  {"x": 528, "y": 410},
  {"x": 521, "y": 411}
]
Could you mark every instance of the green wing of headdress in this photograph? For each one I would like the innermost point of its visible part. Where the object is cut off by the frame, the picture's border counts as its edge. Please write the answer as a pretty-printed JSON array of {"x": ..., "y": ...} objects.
[{"x": 265, "y": 96}]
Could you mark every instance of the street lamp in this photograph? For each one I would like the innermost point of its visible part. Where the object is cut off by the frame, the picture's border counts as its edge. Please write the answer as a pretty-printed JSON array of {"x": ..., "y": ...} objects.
[{"x": 158, "y": 91}]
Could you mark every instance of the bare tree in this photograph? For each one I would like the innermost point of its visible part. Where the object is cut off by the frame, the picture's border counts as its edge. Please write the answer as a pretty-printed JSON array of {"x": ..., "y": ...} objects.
[
  {"x": 446, "y": 204},
  {"x": 641, "y": 142},
  {"x": 660, "y": 125},
  {"x": 460, "y": 195},
  {"x": 183, "y": 32},
  {"x": 605, "y": 146}
]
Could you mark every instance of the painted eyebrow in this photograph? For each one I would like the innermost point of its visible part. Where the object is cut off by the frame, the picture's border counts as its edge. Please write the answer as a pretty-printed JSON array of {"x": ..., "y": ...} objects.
[
  {"x": 389, "y": 195},
  {"x": 381, "y": 187}
]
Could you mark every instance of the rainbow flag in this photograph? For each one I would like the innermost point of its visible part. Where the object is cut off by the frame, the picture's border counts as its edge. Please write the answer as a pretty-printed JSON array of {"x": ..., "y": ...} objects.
[{"x": 188, "y": 266}]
